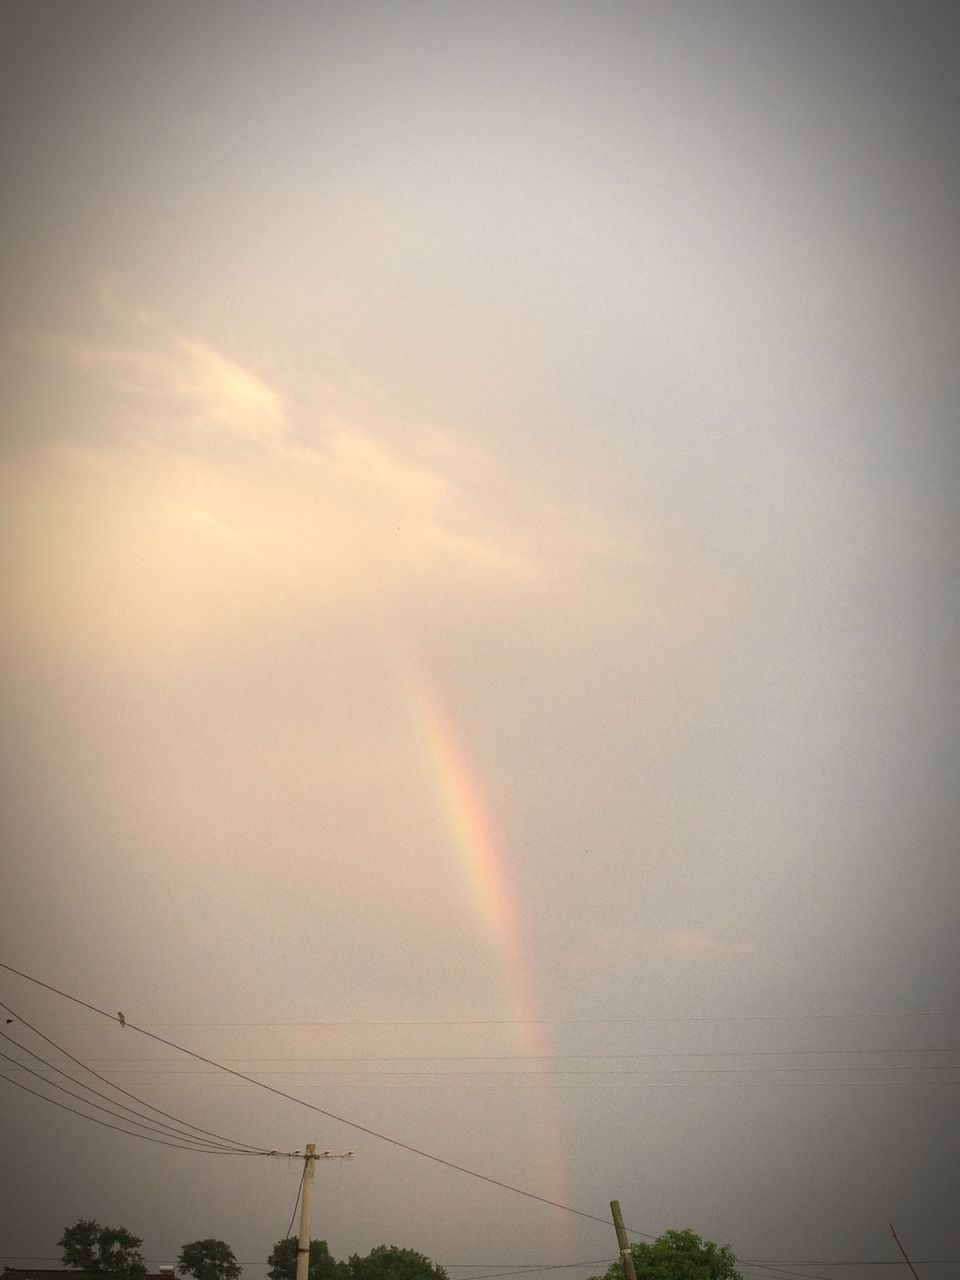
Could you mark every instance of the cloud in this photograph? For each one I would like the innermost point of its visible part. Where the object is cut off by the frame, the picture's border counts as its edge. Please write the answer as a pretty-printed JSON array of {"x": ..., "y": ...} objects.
[
  {"x": 195, "y": 503},
  {"x": 143, "y": 547},
  {"x": 179, "y": 373},
  {"x": 230, "y": 395},
  {"x": 201, "y": 499}
]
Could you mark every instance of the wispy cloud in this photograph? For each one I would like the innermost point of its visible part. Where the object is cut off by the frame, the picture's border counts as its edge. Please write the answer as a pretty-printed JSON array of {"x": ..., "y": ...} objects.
[
  {"x": 204, "y": 498},
  {"x": 231, "y": 395},
  {"x": 202, "y": 387},
  {"x": 210, "y": 496}
]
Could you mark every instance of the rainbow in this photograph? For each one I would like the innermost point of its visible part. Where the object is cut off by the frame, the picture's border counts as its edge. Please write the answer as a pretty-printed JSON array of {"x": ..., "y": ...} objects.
[{"x": 474, "y": 839}]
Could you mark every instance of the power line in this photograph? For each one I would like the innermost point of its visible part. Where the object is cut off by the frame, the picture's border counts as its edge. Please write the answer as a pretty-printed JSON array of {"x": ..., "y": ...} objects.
[
  {"x": 529, "y": 1266},
  {"x": 196, "y": 1144},
  {"x": 129, "y": 1132},
  {"x": 598, "y": 1262},
  {"x": 385, "y": 1082},
  {"x": 777, "y": 1271},
  {"x": 555, "y": 1071},
  {"x": 359, "y": 1127},
  {"x": 303, "y": 1174},
  {"x": 183, "y": 1123},
  {"x": 145, "y": 1121},
  {"x": 540, "y": 1022},
  {"x": 330, "y": 1115},
  {"x": 525, "y": 1271},
  {"x": 534, "y": 1057},
  {"x": 903, "y": 1251},
  {"x": 523, "y": 1266}
]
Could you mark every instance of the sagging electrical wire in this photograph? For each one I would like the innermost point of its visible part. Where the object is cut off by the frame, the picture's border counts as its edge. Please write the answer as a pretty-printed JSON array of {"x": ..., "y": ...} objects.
[
  {"x": 330, "y": 1115},
  {"x": 194, "y": 1143},
  {"x": 106, "y": 1125},
  {"x": 296, "y": 1202},
  {"x": 185, "y": 1124},
  {"x": 145, "y": 1121}
]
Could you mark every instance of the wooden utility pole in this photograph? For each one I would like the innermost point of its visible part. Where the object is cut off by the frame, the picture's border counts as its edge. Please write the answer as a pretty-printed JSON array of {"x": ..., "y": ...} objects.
[
  {"x": 306, "y": 1204},
  {"x": 626, "y": 1257}
]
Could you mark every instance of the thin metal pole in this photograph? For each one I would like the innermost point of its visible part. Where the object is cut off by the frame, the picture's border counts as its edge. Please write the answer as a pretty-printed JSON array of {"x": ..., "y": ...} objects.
[{"x": 904, "y": 1252}]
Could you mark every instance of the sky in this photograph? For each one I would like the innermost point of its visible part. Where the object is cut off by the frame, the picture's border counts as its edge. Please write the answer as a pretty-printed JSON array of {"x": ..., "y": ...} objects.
[{"x": 480, "y": 592}]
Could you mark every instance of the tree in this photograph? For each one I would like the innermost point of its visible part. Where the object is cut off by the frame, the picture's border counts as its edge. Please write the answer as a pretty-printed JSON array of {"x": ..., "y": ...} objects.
[
  {"x": 209, "y": 1260},
  {"x": 388, "y": 1262},
  {"x": 678, "y": 1255},
  {"x": 323, "y": 1266},
  {"x": 112, "y": 1252}
]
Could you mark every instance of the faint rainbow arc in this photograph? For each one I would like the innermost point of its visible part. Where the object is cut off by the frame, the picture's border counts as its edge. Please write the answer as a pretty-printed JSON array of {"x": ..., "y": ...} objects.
[
  {"x": 477, "y": 843},
  {"x": 494, "y": 898}
]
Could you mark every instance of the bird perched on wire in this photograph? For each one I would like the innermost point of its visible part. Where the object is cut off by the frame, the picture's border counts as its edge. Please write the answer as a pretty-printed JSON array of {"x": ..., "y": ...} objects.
[{"x": 121, "y": 1019}]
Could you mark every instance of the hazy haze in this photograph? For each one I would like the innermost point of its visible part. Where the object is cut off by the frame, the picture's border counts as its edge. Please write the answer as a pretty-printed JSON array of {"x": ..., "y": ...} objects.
[{"x": 480, "y": 522}]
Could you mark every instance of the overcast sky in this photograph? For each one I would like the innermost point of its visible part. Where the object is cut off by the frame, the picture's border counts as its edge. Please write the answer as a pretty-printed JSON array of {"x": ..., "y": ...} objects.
[{"x": 480, "y": 496}]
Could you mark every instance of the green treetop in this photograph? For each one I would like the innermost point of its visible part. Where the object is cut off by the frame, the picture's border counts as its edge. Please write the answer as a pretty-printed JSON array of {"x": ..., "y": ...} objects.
[
  {"x": 208, "y": 1260},
  {"x": 323, "y": 1266},
  {"x": 678, "y": 1255},
  {"x": 111, "y": 1252},
  {"x": 388, "y": 1262}
]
